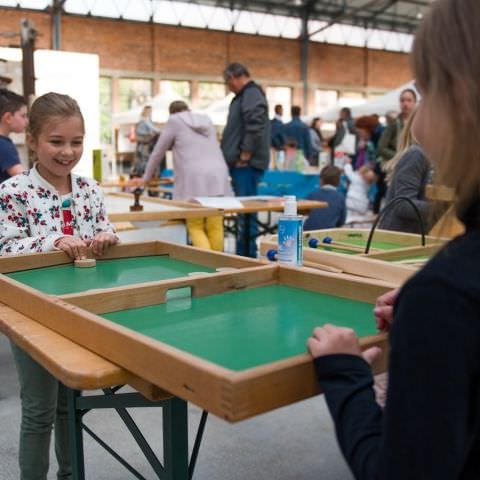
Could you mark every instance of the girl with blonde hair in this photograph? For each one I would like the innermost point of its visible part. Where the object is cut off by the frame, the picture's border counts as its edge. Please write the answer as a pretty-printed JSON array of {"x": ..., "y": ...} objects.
[{"x": 430, "y": 428}]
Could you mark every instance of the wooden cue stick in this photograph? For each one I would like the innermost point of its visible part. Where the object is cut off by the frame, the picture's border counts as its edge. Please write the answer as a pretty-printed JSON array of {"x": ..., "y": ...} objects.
[{"x": 346, "y": 246}]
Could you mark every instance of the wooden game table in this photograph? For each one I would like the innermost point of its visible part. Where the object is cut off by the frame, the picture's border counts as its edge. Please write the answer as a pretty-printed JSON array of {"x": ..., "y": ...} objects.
[
  {"x": 229, "y": 341},
  {"x": 394, "y": 256},
  {"x": 256, "y": 205},
  {"x": 159, "y": 219}
]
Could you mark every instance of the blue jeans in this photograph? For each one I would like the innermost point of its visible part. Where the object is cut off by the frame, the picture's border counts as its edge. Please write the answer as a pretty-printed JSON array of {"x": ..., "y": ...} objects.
[{"x": 245, "y": 181}]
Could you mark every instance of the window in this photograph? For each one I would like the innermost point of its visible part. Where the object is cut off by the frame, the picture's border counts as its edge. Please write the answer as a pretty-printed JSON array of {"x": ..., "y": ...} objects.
[
  {"x": 209, "y": 92},
  {"x": 134, "y": 92},
  {"x": 350, "y": 99},
  {"x": 178, "y": 88},
  {"x": 325, "y": 99},
  {"x": 105, "y": 110},
  {"x": 279, "y": 96}
]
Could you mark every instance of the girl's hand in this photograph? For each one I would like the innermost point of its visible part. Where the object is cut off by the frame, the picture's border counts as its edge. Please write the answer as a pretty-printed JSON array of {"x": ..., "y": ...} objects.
[
  {"x": 331, "y": 340},
  {"x": 74, "y": 247},
  {"x": 102, "y": 241},
  {"x": 383, "y": 310}
]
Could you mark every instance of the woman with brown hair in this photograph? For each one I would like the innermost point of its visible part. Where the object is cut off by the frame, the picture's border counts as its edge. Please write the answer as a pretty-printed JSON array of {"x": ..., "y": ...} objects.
[
  {"x": 365, "y": 155},
  {"x": 430, "y": 428},
  {"x": 409, "y": 173}
]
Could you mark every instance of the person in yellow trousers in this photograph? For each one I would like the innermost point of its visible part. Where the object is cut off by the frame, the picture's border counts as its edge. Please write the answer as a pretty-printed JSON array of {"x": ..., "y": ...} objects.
[{"x": 200, "y": 170}]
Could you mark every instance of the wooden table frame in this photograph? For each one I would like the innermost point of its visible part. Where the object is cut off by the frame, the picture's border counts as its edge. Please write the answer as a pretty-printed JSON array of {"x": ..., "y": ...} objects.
[
  {"x": 79, "y": 369},
  {"x": 228, "y": 394},
  {"x": 208, "y": 258}
]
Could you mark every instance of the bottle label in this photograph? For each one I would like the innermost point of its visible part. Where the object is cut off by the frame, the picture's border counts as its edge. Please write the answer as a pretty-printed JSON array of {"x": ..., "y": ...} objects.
[{"x": 290, "y": 240}]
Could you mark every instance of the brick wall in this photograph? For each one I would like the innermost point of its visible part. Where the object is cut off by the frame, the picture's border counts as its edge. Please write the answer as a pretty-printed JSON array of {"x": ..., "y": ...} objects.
[{"x": 139, "y": 47}]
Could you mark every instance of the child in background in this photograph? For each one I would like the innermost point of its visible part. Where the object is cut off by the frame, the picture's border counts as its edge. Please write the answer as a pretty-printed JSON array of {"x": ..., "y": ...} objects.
[
  {"x": 430, "y": 428},
  {"x": 49, "y": 208},
  {"x": 335, "y": 214},
  {"x": 366, "y": 153},
  {"x": 294, "y": 158},
  {"x": 13, "y": 119},
  {"x": 357, "y": 193}
]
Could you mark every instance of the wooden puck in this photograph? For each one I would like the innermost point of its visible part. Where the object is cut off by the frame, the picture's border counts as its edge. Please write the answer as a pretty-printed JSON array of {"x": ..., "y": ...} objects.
[{"x": 85, "y": 263}]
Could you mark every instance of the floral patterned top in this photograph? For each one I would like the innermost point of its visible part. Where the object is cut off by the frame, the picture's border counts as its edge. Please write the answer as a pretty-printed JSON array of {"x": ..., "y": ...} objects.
[{"x": 31, "y": 217}]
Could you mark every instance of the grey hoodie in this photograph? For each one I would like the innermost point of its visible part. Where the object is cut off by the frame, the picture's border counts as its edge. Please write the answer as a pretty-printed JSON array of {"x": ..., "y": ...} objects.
[{"x": 198, "y": 163}]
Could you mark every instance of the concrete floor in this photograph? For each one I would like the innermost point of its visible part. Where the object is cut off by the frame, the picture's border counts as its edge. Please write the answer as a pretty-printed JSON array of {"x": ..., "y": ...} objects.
[{"x": 296, "y": 442}]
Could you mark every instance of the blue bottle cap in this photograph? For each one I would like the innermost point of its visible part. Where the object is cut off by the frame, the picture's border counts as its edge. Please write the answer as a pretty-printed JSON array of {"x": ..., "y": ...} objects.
[{"x": 272, "y": 255}]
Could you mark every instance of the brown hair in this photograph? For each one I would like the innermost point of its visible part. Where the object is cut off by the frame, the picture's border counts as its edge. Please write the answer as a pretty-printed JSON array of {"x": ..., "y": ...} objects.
[
  {"x": 406, "y": 140},
  {"x": 146, "y": 108},
  {"x": 177, "y": 106},
  {"x": 49, "y": 107},
  {"x": 10, "y": 102},
  {"x": 367, "y": 122},
  {"x": 295, "y": 111},
  {"x": 447, "y": 67},
  {"x": 330, "y": 175}
]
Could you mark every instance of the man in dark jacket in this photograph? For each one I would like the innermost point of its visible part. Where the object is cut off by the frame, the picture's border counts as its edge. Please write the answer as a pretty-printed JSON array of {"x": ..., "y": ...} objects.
[
  {"x": 246, "y": 146},
  {"x": 276, "y": 124},
  {"x": 299, "y": 131}
]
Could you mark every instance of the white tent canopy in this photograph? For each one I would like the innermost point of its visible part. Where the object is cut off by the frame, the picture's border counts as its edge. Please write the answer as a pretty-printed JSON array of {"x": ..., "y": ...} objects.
[
  {"x": 381, "y": 105},
  {"x": 159, "y": 104},
  {"x": 217, "y": 111}
]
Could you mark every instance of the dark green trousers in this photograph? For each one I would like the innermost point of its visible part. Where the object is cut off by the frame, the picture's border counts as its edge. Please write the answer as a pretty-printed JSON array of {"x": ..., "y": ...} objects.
[{"x": 44, "y": 404}]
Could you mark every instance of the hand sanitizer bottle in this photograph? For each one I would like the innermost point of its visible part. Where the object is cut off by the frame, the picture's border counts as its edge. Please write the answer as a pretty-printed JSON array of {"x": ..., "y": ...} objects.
[{"x": 290, "y": 234}]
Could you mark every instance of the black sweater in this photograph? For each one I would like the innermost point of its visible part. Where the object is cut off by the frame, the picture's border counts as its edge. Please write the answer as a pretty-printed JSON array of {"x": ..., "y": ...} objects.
[{"x": 430, "y": 429}]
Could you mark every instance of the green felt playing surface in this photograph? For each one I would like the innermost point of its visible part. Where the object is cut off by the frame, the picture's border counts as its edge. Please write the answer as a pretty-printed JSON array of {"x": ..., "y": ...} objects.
[
  {"x": 64, "y": 279},
  {"x": 247, "y": 328},
  {"x": 360, "y": 242}
]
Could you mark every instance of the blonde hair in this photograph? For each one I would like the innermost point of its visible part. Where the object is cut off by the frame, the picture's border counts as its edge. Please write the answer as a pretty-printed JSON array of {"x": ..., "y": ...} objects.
[
  {"x": 367, "y": 173},
  {"x": 407, "y": 139},
  {"x": 49, "y": 107},
  {"x": 447, "y": 67}
]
